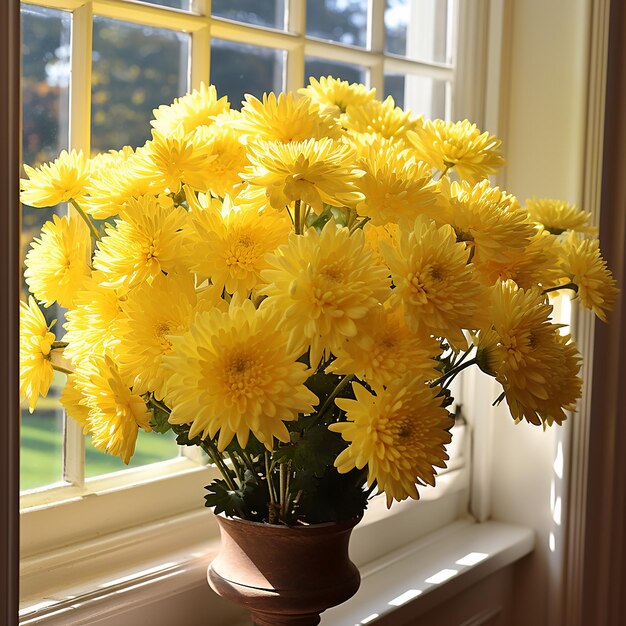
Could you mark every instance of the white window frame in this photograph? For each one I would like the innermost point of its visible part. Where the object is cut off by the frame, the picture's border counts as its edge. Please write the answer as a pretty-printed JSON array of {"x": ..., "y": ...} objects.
[{"x": 53, "y": 544}]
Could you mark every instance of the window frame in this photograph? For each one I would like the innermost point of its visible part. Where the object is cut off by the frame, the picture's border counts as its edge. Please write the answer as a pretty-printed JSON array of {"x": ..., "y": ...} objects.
[{"x": 105, "y": 504}]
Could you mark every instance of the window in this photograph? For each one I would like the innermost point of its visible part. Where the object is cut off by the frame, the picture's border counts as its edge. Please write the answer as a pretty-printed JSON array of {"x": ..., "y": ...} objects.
[{"x": 144, "y": 54}]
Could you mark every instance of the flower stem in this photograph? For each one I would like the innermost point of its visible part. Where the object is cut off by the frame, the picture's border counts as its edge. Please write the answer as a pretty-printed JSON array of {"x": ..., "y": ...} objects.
[
  {"x": 572, "y": 286},
  {"x": 453, "y": 372},
  {"x": 92, "y": 227},
  {"x": 60, "y": 368},
  {"x": 297, "y": 216},
  {"x": 211, "y": 449},
  {"x": 57, "y": 345},
  {"x": 336, "y": 391}
]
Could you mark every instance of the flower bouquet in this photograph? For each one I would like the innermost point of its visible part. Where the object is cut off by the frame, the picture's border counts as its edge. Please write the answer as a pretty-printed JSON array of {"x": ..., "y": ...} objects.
[{"x": 293, "y": 287}]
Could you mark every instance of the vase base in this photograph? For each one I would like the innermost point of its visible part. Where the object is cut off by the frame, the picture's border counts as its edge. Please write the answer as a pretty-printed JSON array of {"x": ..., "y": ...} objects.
[{"x": 272, "y": 619}]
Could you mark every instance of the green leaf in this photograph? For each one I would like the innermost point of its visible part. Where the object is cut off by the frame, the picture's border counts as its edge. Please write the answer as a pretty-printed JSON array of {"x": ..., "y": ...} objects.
[
  {"x": 223, "y": 500},
  {"x": 158, "y": 421}
]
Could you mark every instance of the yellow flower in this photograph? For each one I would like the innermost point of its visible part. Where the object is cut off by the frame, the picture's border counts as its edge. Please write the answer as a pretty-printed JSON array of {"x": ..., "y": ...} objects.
[
  {"x": 73, "y": 401},
  {"x": 148, "y": 239},
  {"x": 227, "y": 158},
  {"x": 584, "y": 266},
  {"x": 375, "y": 235},
  {"x": 233, "y": 373},
  {"x": 315, "y": 172},
  {"x": 169, "y": 161},
  {"x": 557, "y": 216},
  {"x": 384, "y": 349},
  {"x": 115, "y": 412},
  {"x": 91, "y": 326},
  {"x": 110, "y": 159},
  {"x": 198, "y": 108},
  {"x": 152, "y": 314},
  {"x": 334, "y": 95},
  {"x": 444, "y": 145},
  {"x": 35, "y": 347},
  {"x": 230, "y": 244},
  {"x": 323, "y": 283},
  {"x": 285, "y": 119},
  {"x": 489, "y": 220},
  {"x": 58, "y": 262},
  {"x": 382, "y": 118},
  {"x": 535, "y": 265},
  {"x": 59, "y": 181},
  {"x": 396, "y": 187},
  {"x": 536, "y": 365},
  {"x": 434, "y": 282},
  {"x": 111, "y": 188},
  {"x": 399, "y": 434}
]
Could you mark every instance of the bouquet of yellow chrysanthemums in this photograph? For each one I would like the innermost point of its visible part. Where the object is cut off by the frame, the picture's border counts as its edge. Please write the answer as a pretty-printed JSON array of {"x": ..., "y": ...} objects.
[{"x": 293, "y": 287}]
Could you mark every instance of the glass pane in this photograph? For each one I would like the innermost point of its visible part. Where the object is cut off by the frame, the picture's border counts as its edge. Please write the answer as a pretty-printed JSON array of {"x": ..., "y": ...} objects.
[
  {"x": 45, "y": 114},
  {"x": 269, "y": 13},
  {"x": 185, "y": 5},
  {"x": 423, "y": 95},
  {"x": 420, "y": 29},
  {"x": 344, "y": 21},
  {"x": 238, "y": 69},
  {"x": 135, "y": 69},
  {"x": 151, "y": 448},
  {"x": 321, "y": 67}
]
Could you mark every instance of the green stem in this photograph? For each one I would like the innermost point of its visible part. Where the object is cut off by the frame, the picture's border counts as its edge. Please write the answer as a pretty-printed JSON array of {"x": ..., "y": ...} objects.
[
  {"x": 297, "y": 216},
  {"x": 236, "y": 467},
  {"x": 270, "y": 482},
  {"x": 282, "y": 492},
  {"x": 92, "y": 227},
  {"x": 360, "y": 224},
  {"x": 453, "y": 372},
  {"x": 572, "y": 286},
  {"x": 336, "y": 391},
  {"x": 58, "y": 345},
  {"x": 211, "y": 449},
  {"x": 60, "y": 368}
]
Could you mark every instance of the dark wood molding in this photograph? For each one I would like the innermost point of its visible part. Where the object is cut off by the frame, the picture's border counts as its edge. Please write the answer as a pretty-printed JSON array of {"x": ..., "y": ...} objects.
[
  {"x": 9, "y": 318},
  {"x": 604, "y": 548}
]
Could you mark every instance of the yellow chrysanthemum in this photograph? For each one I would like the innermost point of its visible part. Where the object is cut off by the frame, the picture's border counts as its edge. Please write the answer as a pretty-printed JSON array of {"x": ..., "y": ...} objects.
[
  {"x": 557, "y": 216},
  {"x": 152, "y": 314},
  {"x": 315, "y": 172},
  {"x": 233, "y": 373},
  {"x": 91, "y": 325},
  {"x": 334, "y": 95},
  {"x": 285, "y": 119},
  {"x": 384, "y": 349},
  {"x": 115, "y": 412},
  {"x": 584, "y": 266},
  {"x": 399, "y": 434},
  {"x": 58, "y": 262},
  {"x": 111, "y": 188},
  {"x": 110, "y": 159},
  {"x": 194, "y": 109},
  {"x": 323, "y": 283},
  {"x": 375, "y": 235},
  {"x": 230, "y": 244},
  {"x": 396, "y": 187},
  {"x": 35, "y": 347},
  {"x": 73, "y": 401},
  {"x": 169, "y": 161},
  {"x": 61, "y": 180},
  {"x": 434, "y": 282},
  {"x": 536, "y": 365},
  {"x": 227, "y": 156},
  {"x": 382, "y": 118},
  {"x": 489, "y": 220},
  {"x": 147, "y": 240},
  {"x": 535, "y": 265},
  {"x": 474, "y": 155}
]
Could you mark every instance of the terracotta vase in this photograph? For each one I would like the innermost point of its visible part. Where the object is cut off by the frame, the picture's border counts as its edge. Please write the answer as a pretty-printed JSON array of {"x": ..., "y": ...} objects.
[{"x": 284, "y": 576}]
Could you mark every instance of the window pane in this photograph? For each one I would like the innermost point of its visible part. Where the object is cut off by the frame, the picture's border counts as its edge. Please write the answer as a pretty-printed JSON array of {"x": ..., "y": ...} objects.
[
  {"x": 344, "y": 21},
  {"x": 45, "y": 113},
  {"x": 151, "y": 448},
  {"x": 135, "y": 69},
  {"x": 269, "y": 13},
  {"x": 185, "y": 5},
  {"x": 238, "y": 69},
  {"x": 426, "y": 96},
  {"x": 419, "y": 29},
  {"x": 321, "y": 67}
]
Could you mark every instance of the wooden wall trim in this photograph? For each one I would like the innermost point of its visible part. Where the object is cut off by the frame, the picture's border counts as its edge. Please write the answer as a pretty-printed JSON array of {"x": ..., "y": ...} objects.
[{"x": 9, "y": 320}]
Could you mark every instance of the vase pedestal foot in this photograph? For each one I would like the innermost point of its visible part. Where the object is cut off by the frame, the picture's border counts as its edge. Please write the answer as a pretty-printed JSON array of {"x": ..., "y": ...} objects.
[{"x": 272, "y": 619}]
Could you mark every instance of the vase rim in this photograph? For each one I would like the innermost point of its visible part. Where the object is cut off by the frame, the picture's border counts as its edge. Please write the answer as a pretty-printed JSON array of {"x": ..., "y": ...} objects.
[{"x": 321, "y": 526}]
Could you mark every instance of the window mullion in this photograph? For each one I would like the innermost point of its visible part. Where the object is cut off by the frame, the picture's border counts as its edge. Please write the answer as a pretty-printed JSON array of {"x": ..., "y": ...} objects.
[
  {"x": 200, "y": 61},
  {"x": 79, "y": 139},
  {"x": 376, "y": 43},
  {"x": 295, "y": 58}
]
